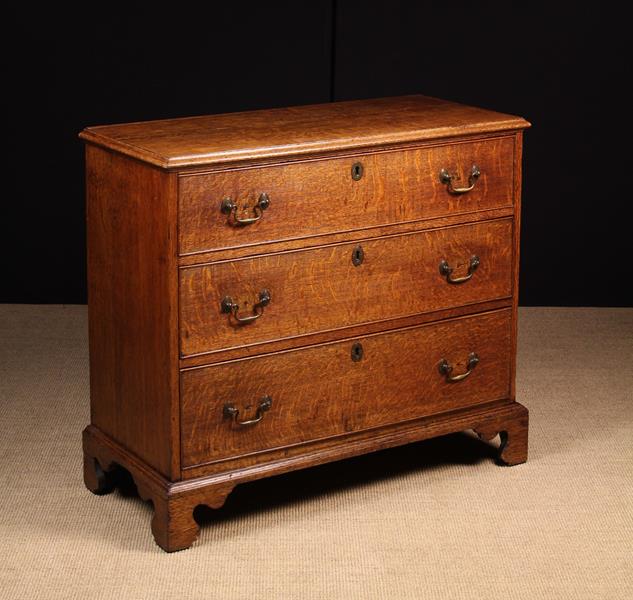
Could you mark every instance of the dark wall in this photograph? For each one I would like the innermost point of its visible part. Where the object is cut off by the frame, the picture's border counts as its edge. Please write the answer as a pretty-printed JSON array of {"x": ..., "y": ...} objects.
[
  {"x": 68, "y": 70},
  {"x": 552, "y": 63}
]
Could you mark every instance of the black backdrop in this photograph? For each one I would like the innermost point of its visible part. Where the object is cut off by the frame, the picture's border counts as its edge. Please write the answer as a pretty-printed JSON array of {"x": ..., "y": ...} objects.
[{"x": 68, "y": 69}]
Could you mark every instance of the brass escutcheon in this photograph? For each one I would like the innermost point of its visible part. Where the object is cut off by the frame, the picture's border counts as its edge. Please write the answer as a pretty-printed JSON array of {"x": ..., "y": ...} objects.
[
  {"x": 358, "y": 256},
  {"x": 357, "y": 171},
  {"x": 357, "y": 351}
]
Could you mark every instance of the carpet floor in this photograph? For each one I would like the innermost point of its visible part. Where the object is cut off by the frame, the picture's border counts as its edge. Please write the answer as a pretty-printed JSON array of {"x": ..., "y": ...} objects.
[{"x": 436, "y": 519}]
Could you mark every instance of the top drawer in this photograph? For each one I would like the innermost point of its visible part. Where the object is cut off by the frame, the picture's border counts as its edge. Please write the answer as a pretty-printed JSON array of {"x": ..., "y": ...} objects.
[{"x": 327, "y": 196}]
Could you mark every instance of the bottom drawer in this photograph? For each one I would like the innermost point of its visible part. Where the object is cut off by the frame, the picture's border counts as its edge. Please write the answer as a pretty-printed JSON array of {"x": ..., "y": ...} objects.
[{"x": 341, "y": 387}]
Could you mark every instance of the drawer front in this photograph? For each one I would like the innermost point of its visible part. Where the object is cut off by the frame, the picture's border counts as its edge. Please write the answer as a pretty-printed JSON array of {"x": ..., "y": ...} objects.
[
  {"x": 320, "y": 197},
  {"x": 345, "y": 284},
  {"x": 342, "y": 387}
]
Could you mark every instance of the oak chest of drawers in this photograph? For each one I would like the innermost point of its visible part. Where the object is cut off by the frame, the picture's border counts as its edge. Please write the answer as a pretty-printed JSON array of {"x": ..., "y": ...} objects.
[{"x": 276, "y": 289}]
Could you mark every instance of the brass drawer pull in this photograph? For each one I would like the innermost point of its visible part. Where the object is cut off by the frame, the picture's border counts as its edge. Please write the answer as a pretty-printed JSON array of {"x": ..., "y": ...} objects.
[
  {"x": 228, "y": 306},
  {"x": 232, "y": 412},
  {"x": 447, "y": 271},
  {"x": 446, "y": 369},
  {"x": 447, "y": 179},
  {"x": 229, "y": 207}
]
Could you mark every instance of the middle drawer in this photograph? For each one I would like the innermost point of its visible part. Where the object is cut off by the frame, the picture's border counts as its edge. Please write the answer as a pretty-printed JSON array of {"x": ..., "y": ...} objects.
[{"x": 270, "y": 297}]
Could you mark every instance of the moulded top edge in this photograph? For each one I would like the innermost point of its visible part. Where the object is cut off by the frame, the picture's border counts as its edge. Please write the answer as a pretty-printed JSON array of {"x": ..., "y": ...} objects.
[{"x": 301, "y": 130}]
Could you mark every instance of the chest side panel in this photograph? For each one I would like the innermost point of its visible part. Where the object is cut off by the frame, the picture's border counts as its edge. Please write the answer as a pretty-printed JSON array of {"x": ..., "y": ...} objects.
[{"x": 132, "y": 296}]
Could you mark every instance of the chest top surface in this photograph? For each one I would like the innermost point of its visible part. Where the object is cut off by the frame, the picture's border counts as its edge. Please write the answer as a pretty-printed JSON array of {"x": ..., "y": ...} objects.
[{"x": 286, "y": 132}]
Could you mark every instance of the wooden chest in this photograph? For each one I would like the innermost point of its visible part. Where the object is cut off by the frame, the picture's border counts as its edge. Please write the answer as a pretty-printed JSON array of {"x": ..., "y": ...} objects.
[{"x": 276, "y": 289}]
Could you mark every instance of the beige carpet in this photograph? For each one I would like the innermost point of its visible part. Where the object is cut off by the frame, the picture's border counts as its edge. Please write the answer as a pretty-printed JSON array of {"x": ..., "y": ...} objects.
[{"x": 436, "y": 519}]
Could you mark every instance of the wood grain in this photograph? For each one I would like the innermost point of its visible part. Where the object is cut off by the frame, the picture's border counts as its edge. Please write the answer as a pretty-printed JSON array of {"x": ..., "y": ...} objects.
[
  {"x": 516, "y": 255},
  {"x": 283, "y": 132},
  {"x": 132, "y": 300},
  {"x": 396, "y": 380},
  {"x": 356, "y": 233},
  {"x": 320, "y": 289},
  {"x": 164, "y": 359},
  {"x": 227, "y": 354},
  {"x": 513, "y": 449},
  {"x": 173, "y": 525},
  {"x": 496, "y": 417},
  {"x": 320, "y": 197}
]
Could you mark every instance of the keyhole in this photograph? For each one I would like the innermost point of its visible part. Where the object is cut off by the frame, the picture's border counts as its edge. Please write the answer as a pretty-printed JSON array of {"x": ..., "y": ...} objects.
[
  {"x": 357, "y": 352},
  {"x": 358, "y": 255},
  {"x": 357, "y": 171}
]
